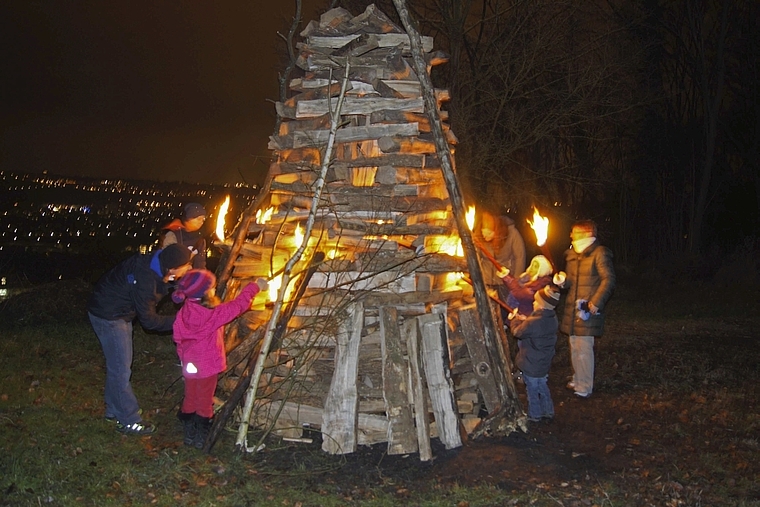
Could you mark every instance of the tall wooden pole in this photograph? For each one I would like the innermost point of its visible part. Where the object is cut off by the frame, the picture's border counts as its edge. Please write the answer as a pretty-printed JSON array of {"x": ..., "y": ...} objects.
[{"x": 511, "y": 408}]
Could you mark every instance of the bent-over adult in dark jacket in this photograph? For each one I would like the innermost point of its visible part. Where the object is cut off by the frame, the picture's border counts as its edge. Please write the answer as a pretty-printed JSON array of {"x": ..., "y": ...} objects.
[{"x": 132, "y": 289}]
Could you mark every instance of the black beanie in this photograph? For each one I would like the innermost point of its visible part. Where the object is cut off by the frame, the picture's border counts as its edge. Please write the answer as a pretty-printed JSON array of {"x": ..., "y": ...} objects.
[{"x": 173, "y": 256}]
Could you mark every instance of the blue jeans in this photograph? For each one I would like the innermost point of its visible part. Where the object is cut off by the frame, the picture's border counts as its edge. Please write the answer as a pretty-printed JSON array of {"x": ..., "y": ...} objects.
[
  {"x": 539, "y": 398},
  {"x": 582, "y": 357},
  {"x": 116, "y": 339}
]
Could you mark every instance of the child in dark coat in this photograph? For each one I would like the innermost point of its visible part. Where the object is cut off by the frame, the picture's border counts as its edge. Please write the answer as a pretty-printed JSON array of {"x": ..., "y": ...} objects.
[
  {"x": 537, "y": 335},
  {"x": 198, "y": 332}
]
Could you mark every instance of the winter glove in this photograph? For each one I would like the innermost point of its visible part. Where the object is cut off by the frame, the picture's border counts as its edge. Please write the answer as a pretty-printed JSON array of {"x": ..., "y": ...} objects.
[
  {"x": 559, "y": 279},
  {"x": 584, "y": 312}
]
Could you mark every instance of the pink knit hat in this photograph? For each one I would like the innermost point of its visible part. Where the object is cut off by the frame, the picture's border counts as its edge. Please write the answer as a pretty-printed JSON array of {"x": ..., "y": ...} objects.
[{"x": 194, "y": 285}]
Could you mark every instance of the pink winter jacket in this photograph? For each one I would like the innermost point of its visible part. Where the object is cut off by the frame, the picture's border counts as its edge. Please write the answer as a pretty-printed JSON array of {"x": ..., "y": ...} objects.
[{"x": 198, "y": 333}]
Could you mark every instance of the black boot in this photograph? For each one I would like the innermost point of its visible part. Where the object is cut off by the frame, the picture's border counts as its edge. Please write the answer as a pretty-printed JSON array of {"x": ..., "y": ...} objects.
[
  {"x": 203, "y": 427},
  {"x": 190, "y": 426}
]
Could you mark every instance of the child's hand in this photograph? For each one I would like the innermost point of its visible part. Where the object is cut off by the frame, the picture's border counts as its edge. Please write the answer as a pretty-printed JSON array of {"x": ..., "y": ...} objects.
[
  {"x": 262, "y": 283},
  {"x": 513, "y": 314},
  {"x": 502, "y": 272},
  {"x": 559, "y": 279}
]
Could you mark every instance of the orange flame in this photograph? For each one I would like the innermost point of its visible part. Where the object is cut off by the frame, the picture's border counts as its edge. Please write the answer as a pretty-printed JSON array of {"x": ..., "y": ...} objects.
[
  {"x": 221, "y": 217},
  {"x": 274, "y": 287},
  {"x": 298, "y": 236},
  {"x": 540, "y": 226},
  {"x": 469, "y": 217},
  {"x": 264, "y": 216}
]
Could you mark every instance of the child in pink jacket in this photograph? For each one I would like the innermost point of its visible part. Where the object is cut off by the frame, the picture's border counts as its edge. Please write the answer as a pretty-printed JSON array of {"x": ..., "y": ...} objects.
[{"x": 198, "y": 333}]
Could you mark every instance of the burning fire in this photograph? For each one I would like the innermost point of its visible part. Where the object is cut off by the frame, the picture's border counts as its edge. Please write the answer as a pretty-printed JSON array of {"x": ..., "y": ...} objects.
[
  {"x": 452, "y": 280},
  {"x": 221, "y": 217},
  {"x": 265, "y": 216},
  {"x": 274, "y": 287},
  {"x": 540, "y": 226},
  {"x": 469, "y": 217},
  {"x": 298, "y": 236}
]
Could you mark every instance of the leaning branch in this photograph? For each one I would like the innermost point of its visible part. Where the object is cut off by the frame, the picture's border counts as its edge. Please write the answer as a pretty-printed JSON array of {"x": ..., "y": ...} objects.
[{"x": 241, "y": 442}]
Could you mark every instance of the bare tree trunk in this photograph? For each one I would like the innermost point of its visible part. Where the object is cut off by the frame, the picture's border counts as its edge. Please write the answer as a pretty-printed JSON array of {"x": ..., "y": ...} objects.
[{"x": 711, "y": 102}]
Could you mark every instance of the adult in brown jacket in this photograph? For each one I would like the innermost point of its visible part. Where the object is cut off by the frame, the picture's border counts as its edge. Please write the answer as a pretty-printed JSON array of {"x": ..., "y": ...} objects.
[{"x": 590, "y": 282}]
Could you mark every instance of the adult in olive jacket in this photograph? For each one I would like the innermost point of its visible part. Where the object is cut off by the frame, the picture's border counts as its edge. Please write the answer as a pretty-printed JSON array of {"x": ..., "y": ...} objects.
[{"x": 590, "y": 282}]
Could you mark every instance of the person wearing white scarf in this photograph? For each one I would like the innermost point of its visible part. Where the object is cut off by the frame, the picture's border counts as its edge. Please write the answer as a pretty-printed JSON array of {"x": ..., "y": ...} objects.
[{"x": 590, "y": 282}]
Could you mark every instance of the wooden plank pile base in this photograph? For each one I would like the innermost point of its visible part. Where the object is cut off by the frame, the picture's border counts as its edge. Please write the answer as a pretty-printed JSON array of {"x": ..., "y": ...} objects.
[{"x": 384, "y": 345}]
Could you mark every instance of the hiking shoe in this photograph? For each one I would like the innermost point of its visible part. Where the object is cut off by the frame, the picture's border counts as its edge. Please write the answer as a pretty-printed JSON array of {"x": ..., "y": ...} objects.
[
  {"x": 138, "y": 428},
  {"x": 534, "y": 419},
  {"x": 582, "y": 395}
]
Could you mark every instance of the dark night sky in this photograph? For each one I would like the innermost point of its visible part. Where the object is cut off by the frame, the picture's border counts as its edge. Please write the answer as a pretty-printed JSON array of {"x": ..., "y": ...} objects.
[{"x": 141, "y": 89}]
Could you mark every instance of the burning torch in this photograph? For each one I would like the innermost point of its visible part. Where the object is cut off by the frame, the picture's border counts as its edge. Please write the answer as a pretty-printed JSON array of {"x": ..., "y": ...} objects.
[{"x": 540, "y": 226}]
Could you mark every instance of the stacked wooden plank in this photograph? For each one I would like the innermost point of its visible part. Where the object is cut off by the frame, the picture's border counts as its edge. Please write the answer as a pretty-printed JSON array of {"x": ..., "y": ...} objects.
[{"x": 368, "y": 355}]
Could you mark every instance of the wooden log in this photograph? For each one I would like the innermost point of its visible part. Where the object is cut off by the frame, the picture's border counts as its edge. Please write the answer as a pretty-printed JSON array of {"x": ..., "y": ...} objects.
[
  {"x": 436, "y": 58},
  {"x": 307, "y": 138},
  {"x": 437, "y": 374},
  {"x": 303, "y": 84},
  {"x": 405, "y": 146},
  {"x": 388, "y": 63},
  {"x": 401, "y": 435},
  {"x": 334, "y": 18},
  {"x": 300, "y": 156},
  {"x": 481, "y": 361},
  {"x": 419, "y": 396},
  {"x": 357, "y": 46},
  {"x": 277, "y": 168},
  {"x": 371, "y": 429},
  {"x": 388, "y": 281},
  {"x": 331, "y": 90},
  {"x": 373, "y": 20},
  {"x": 386, "y": 116},
  {"x": 387, "y": 91},
  {"x": 382, "y": 40},
  {"x": 355, "y": 105},
  {"x": 340, "y": 415},
  {"x": 396, "y": 160}
]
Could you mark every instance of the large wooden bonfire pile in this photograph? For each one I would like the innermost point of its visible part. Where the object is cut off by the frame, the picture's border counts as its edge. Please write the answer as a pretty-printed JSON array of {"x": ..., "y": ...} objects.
[{"x": 384, "y": 343}]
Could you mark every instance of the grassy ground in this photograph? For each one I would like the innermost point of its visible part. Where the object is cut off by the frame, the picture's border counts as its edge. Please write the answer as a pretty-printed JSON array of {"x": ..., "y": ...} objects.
[{"x": 674, "y": 421}]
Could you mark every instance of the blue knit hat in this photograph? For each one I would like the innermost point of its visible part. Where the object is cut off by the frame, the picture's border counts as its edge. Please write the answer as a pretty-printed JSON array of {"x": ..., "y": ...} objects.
[{"x": 194, "y": 285}]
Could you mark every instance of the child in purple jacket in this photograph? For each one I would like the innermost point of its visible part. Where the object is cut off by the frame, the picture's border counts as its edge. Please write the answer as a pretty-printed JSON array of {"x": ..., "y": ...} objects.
[{"x": 198, "y": 333}]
